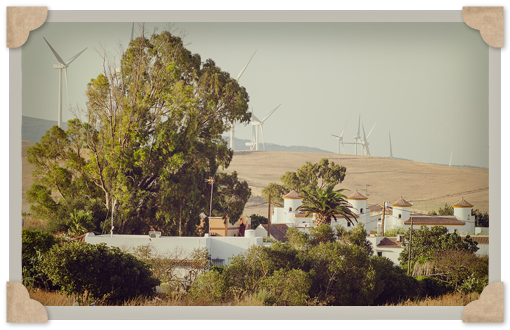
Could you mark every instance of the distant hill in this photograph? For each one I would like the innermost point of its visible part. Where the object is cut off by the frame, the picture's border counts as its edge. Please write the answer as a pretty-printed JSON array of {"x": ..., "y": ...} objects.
[
  {"x": 240, "y": 145},
  {"x": 32, "y": 129}
]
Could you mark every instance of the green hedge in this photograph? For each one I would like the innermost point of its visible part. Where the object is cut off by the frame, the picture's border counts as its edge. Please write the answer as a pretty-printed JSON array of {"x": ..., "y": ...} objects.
[{"x": 105, "y": 273}]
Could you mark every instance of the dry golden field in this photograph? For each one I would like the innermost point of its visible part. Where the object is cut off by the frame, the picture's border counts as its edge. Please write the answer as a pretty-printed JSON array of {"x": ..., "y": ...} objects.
[{"x": 428, "y": 186}]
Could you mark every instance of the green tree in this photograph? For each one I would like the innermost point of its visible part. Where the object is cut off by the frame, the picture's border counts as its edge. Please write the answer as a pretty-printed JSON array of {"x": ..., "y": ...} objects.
[
  {"x": 481, "y": 218},
  {"x": 446, "y": 210},
  {"x": 307, "y": 177},
  {"x": 430, "y": 240},
  {"x": 326, "y": 204},
  {"x": 153, "y": 134},
  {"x": 257, "y": 220}
]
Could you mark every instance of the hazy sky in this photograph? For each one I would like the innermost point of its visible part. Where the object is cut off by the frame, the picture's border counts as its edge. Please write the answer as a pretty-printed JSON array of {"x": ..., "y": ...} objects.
[{"x": 426, "y": 83}]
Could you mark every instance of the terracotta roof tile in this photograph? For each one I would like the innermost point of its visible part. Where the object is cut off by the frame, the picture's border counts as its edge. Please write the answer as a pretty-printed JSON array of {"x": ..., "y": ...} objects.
[
  {"x": 480, "y": 240},
  {"x": 357, "y": 196},
  {"x": 278, "y": 231},
  {"x": 389, "y": 242},
  {"x": 462, "y": 203},
  {"x": 402, "y": 202},
  {"x": 435, "y": 221},
  {"x": 293, "y": 195}
]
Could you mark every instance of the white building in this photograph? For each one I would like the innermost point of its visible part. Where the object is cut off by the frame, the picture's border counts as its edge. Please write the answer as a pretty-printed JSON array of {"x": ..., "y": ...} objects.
[{"x": 461, "y": 221}]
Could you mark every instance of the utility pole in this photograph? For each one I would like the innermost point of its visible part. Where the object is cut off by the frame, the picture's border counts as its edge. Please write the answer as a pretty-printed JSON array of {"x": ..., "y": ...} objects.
[
  {"x": 383, "y": 216},
  {"x": 211, "y": 181},
  {"x": 410, "y": 246},
  {"x": 269, "y": 218}
]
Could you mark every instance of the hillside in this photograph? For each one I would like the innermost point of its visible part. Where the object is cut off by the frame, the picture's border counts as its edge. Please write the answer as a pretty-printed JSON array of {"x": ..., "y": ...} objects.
[{"x": 428, "y": 186}]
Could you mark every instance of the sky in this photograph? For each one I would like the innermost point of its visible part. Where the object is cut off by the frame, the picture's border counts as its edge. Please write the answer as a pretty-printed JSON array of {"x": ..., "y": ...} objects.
[{"x": 425, "y": 83}]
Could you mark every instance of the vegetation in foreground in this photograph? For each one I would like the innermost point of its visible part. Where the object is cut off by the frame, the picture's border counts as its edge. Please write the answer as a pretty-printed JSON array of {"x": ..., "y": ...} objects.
[{"x": 323, "y": 268}]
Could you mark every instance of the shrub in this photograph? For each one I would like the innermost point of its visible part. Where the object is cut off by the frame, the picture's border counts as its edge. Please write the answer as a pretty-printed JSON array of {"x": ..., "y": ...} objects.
[
  {"x": 34, "y": 244},
  {"x": 287, "y": 288},
  {"x": 393, "y": 284},
  {"x": 210, "y": 286},
  {"x": 457, "y": 267},
  {"x": 104, "y": 273},
  {"x": 432, "y": 287}
]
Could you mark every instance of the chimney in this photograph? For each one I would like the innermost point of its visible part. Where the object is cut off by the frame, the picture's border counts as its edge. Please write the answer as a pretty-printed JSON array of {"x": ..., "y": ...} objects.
[{"x": 399, "y": 238}]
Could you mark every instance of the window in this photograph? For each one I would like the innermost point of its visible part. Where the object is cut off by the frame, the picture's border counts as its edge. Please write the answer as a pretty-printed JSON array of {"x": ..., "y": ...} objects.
[
  {"x": 379, "y": 254},
  {"x": 455, "y": 230},
  {"x": 290, "y": 209},
  {"x": 348, "y": 224},
  {"x": 361, "y": 211},
  {"x": 400, "y": 216}
]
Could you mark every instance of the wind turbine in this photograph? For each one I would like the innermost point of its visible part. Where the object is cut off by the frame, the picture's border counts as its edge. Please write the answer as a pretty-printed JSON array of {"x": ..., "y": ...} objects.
[
  {"x": 232, "y": 124},
  {"x": 364, "y": 144},
  {"x": 391, "y": 151},
  {"x": 259, "y": 126},
  {"x": 357, "y": 138},
  {"x": 62, "y": 65},
  {"x": 340, "y": 140}
]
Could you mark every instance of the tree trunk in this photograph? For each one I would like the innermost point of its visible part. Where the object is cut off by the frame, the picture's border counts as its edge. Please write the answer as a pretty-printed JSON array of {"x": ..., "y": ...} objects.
[{"x": 320, "y": 220}]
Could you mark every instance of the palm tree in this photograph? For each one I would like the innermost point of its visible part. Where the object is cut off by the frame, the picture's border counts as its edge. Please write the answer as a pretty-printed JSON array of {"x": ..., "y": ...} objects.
[{"x": 326, "y": 204}]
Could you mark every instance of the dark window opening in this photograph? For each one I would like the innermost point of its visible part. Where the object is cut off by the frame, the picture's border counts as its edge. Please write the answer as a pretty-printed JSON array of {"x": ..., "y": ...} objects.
[
  {"x": 361, "y": 211},
  {"x": 290, "y": 209},
  {"x": 400, "y": 216},
  {"x": 379, "y": 254}
]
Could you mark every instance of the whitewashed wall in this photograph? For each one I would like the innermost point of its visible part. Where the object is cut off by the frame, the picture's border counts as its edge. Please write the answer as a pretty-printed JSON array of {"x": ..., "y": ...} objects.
[{"x": 179, "y": 247}]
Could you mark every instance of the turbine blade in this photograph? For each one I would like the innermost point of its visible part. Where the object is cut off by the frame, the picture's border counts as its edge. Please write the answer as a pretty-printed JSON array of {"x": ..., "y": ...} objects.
[
  {"x": 336, "y": 137},
  {"x": 75, "y": 57},
  {"x": 55, "y": 53},
  {"x": 344, "y": 129},
  {"x": 255, "y": 119},
  {"x": 263, "y": 120},
  {"x": 371, "y": 131},
  {"x": 241, "y": 73},
  {"x": 359, "y": 121}
]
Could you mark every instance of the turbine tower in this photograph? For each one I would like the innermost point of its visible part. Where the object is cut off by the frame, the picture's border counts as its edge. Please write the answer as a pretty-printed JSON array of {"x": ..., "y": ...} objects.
[
  {"x": 364, "y": 144},
  {"x": 357, "y": 138},
  {"x": 62, "y": 65},
  {"x": 232, "y": 124},
  {"x": 259, "y": 126},
  {"x": 340, "y": 140},
  {"x": 451, "y": 155}
]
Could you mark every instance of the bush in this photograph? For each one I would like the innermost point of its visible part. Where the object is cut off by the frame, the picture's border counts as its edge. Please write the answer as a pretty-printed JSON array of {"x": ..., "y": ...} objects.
[
  {"x": 104, "y": 273},
  {"x": 432, "y": 287},
  {"x": 393, "y": 284},
  {"x": 287, "y": 288},
  {"x": 210, "y": 286},
  {"x": 34, "y": 243}
]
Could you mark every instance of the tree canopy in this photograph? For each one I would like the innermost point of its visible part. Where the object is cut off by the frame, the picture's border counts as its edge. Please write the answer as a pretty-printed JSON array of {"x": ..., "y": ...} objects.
[
  {"x": 307, "y": 177},
  {"x": 152, "y": 134},
  {"x": 326, "y": 204},
  {"x": 427, "y": 241}
]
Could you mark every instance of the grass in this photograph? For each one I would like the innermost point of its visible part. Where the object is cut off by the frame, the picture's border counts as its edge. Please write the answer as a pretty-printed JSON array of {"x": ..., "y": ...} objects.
[
  {"x": 54, "y": 298},
  {"x": 450, "y": 299},
  {"x": 33, "y": 223},
  {"x": 50, "y": 298}
]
